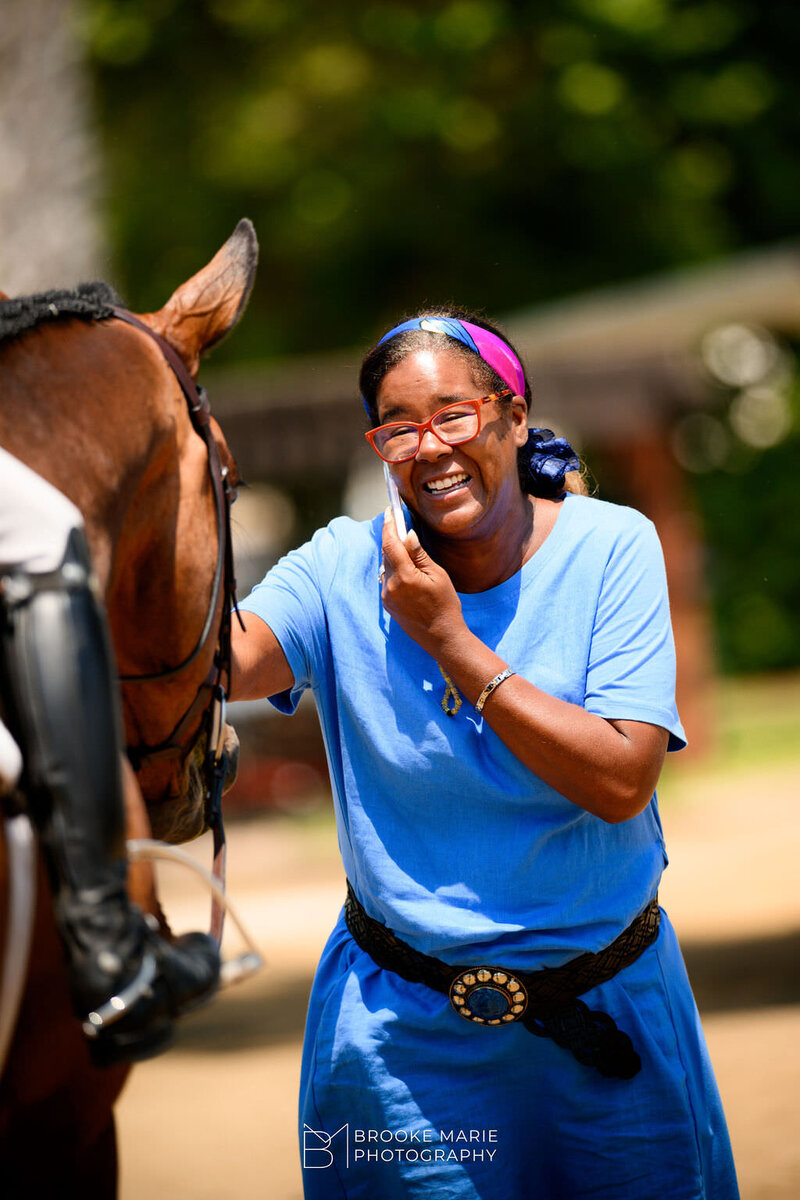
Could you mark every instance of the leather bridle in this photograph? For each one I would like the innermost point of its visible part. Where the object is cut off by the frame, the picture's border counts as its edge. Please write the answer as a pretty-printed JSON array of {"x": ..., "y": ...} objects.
[{"x": 210, "y": 698}]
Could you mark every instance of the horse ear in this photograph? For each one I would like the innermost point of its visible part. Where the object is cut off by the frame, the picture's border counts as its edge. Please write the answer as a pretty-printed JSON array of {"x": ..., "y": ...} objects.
[{"x": 201, "y": 311}]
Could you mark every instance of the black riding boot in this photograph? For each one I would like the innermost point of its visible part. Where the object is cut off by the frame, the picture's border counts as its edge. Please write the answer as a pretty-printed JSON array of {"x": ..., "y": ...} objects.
[{"x": 60, "y": 703}]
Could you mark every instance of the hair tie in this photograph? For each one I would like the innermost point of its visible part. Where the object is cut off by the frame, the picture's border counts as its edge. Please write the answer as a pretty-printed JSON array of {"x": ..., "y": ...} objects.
[{"x": 546, "y": 460}]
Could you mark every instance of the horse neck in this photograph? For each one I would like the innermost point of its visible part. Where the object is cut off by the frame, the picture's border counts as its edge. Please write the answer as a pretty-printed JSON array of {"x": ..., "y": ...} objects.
[
  {"x": 98, "y": 413},
  {"x": 66, "y": 414}
]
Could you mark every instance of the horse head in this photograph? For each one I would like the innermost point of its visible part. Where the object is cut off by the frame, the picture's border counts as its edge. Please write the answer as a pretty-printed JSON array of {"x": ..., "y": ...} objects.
[{"x": 171, "y": 620}]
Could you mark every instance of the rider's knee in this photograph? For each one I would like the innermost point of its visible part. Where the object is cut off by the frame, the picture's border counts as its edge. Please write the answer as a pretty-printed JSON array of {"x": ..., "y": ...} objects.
[{"x": 36, "y": 519}]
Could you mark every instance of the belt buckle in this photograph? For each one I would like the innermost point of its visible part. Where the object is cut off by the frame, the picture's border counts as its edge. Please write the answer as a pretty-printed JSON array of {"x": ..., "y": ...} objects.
[{"x": 488, "y": 996}]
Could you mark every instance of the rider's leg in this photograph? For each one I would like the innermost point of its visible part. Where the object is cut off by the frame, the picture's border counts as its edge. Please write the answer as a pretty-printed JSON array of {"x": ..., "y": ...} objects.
[{"x": 59, "y": 701}]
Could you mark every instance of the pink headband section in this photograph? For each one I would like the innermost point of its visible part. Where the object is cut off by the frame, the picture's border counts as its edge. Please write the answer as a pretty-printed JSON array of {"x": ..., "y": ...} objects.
[{"x": 500, "y": 357}]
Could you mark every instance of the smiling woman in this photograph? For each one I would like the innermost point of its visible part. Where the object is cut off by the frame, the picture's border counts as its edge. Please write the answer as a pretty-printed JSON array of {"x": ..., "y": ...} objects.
[
  {"x": 496, "y": 691},
  {"x": 465, "y": 490}
]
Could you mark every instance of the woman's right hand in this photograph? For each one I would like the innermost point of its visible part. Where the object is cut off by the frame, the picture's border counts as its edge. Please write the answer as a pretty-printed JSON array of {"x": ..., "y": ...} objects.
[{"x": 417, "y": 592}]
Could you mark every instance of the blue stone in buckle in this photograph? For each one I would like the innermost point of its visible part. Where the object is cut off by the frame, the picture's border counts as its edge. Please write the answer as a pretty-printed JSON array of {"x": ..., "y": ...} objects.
[
  {"x": 488, "y": 1002},
  {"x": 488, "y": 996}
]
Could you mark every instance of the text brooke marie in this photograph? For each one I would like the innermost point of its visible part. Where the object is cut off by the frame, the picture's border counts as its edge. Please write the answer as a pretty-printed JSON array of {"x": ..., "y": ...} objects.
[
  {"x": 424, "y": 1135},
  {"x": 352, "y": 1145}
]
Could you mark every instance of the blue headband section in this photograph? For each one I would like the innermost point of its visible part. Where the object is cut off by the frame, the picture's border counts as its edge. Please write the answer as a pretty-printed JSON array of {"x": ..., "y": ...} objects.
[{"x": 448, "y": 325}]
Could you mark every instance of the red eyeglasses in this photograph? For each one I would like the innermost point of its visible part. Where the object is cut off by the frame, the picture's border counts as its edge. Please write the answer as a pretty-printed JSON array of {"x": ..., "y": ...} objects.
[{"x": 399, "y": 441}]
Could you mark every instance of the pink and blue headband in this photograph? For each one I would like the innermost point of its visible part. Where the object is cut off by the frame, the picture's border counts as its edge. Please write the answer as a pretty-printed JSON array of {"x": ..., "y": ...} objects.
[{"x": 488, "y": 346}]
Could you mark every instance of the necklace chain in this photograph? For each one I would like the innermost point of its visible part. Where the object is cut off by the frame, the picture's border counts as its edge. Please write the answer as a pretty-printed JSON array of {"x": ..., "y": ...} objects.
[{"x": 451, "y": 700}]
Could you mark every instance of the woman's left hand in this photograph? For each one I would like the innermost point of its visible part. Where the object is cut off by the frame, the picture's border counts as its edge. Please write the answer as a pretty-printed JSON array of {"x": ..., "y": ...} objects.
[{"x": 417, "y": 592}]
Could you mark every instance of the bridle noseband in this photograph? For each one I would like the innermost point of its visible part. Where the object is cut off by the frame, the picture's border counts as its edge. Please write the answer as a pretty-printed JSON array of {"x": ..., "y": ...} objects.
[{"x": 211, "y": 695}]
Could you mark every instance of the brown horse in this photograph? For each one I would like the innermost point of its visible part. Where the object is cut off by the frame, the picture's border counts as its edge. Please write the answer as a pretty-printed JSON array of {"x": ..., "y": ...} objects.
[{"x": 96, "y": 409}]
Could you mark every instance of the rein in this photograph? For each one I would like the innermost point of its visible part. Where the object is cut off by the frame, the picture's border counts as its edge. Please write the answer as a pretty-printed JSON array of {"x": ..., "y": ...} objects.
[{"x": 211, "y": 695}]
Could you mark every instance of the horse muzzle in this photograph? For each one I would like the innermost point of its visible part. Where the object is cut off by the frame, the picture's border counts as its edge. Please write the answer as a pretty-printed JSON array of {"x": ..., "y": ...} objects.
[{"x": 182, "y": 814}]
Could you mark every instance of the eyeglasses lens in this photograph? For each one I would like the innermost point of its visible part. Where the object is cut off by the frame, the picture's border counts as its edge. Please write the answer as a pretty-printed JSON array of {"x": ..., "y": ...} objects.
[{"x": 457, "y": 423}]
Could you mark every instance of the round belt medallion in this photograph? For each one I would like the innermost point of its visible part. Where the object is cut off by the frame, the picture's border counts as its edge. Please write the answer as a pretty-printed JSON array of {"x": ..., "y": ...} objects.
[{"x": 488, "y": 996}]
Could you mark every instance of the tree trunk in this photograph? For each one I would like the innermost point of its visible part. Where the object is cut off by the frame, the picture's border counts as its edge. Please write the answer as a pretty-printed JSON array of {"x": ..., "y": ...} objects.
[{"x": 49, "y": 179}]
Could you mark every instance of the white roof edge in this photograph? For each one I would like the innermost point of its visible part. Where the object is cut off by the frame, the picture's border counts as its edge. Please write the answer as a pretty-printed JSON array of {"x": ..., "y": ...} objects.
[{"x": 665, "y": 313}]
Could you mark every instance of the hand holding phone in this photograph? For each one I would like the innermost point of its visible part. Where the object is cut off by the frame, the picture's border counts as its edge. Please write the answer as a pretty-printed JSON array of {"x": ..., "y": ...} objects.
[{"x": 394, "y": 500}]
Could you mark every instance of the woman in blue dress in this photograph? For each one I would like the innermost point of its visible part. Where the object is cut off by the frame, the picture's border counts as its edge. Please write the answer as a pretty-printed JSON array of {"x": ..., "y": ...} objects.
[{"x": 502, "y": 1007}]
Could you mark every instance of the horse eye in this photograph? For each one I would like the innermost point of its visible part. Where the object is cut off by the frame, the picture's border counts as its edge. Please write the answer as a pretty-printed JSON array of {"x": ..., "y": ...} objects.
[
  {"x": 231, "y": 482},
  {"x": 236, "y": 484}
]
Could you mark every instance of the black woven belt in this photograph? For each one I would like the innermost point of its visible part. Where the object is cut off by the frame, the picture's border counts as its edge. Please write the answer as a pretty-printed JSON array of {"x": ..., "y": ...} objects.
[{"x": 545, "y": 1001}]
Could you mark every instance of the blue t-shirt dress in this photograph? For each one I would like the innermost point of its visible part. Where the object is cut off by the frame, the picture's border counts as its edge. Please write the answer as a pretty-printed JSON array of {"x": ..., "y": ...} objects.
[{"x": 465, "y": 854}]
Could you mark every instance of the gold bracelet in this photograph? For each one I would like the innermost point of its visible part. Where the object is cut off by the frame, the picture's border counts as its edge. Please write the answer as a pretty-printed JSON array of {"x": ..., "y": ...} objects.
[{"x": 490, "y": 687}]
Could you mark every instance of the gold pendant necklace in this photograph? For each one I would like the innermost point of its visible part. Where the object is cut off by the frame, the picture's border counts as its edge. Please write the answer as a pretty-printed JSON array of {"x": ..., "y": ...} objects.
[{"x": 451, "y": 700}]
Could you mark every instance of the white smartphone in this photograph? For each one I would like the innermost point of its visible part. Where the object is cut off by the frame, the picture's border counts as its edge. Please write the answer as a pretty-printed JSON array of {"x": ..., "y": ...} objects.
[{"x": 394, "y": 500}]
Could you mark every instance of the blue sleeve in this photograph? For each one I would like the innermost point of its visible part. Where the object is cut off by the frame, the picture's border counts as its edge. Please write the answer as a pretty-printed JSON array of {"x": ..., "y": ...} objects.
[
  {"x": 631, "y": 670},
  {"x": 290, "y": 600}
]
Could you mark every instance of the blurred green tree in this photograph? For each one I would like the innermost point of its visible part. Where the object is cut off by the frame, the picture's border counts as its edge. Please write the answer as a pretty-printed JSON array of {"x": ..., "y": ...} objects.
[
  {"x": 498, "y": 152},
  {"x": 750, "y": 507}
]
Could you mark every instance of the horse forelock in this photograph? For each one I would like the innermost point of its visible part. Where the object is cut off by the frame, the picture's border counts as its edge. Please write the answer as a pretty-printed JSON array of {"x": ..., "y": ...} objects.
[{"x": 87, "y": 301}]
